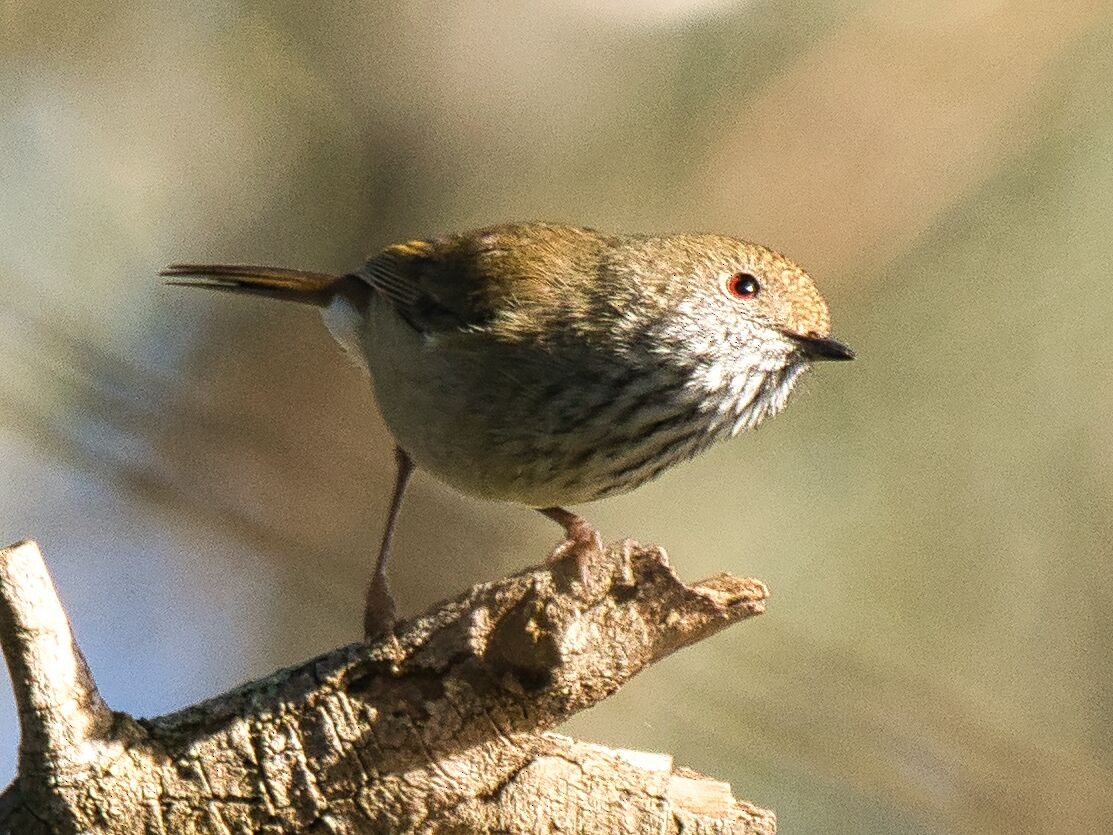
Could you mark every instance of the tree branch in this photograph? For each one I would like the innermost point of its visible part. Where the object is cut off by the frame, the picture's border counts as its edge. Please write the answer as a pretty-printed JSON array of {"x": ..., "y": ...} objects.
[
  {"x": 61, "y": 714},
  {"x": 442, "y": 727}
]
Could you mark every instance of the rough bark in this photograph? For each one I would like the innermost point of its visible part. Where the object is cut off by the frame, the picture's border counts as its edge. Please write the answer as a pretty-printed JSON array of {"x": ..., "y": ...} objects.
[{"x": 442, "y": 727}]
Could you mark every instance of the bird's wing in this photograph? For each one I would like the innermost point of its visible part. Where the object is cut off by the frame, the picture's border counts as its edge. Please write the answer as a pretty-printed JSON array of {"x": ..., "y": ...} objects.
[
  {"x": 464, "y": 281},
  {"x": 409, "y": 276}
]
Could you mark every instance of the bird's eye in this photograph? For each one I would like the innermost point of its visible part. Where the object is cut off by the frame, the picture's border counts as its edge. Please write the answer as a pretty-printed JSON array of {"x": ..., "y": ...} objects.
[{"x": 743, "y": 286}]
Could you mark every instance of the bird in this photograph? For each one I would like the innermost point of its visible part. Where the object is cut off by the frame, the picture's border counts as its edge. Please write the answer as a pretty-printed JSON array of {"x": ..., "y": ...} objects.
[{"x": 550, "y": 365}]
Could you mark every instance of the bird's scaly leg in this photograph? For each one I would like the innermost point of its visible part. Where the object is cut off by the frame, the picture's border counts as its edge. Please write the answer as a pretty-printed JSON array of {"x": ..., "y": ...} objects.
[
  {"x": 379, "y": 613},
  {"x": 581, "y": 539}
]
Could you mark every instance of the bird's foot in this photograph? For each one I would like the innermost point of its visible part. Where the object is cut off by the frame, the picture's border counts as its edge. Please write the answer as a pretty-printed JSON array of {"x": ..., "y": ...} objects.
[
  {"x": 379, "y": 611},
  {"x": 581, "y": 543}
]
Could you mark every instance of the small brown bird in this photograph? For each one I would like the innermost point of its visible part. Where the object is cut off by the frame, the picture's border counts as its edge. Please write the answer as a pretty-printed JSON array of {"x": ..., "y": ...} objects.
[{"x": 550, "y": 365}]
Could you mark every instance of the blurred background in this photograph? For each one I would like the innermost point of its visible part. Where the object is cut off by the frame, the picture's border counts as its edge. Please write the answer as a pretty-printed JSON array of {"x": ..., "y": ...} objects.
[{"x": 208, "y": 476}]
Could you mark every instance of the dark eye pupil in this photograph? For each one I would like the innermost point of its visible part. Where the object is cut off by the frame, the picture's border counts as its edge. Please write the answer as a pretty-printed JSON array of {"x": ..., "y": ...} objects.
[{"x": 744, "y": 285}]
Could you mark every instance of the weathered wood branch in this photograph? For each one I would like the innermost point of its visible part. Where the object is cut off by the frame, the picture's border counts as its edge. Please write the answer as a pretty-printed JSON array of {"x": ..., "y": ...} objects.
[{"x": 441, "y": 728}]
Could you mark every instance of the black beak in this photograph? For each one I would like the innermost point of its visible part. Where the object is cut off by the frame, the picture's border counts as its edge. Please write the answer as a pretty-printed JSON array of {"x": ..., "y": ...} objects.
[{"x": 821, "y": 347}]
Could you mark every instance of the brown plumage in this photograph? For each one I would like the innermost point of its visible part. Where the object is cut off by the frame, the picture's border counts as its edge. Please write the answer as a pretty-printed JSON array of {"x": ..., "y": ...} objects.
[{"x": 547, "y": 365}]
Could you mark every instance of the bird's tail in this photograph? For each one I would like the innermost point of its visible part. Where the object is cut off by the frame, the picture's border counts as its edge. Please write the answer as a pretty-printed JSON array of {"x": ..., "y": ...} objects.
[{"x": 318, "y": 289}]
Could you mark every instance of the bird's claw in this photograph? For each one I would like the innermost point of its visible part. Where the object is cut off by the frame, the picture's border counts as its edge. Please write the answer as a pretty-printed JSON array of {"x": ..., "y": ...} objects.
[
  {"x": 580, "y": 545},
  {"x": 379, "y": 613}
]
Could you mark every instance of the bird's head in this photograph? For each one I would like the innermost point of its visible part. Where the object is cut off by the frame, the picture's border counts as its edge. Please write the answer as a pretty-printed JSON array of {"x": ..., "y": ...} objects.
[{"x": 745, "y": 319}]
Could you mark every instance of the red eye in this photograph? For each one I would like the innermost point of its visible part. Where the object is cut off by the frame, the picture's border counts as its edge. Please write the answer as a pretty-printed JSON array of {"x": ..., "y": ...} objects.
[{"x": 743, "y": 286}]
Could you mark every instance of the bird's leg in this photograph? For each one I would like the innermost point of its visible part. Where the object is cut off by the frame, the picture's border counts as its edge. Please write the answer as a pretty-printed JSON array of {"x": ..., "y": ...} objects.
[
  {"x": 581, "y": 539},
  {"x": 378, "y": 612}
]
